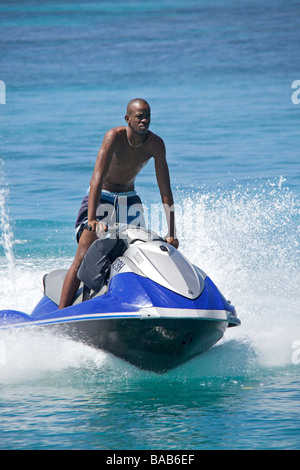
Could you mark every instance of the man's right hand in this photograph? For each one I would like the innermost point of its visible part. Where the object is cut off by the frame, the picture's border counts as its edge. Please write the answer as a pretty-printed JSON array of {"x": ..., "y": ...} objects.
[
  {"x": 98, "y": 227},
  {"x": 91, "y": 226}
]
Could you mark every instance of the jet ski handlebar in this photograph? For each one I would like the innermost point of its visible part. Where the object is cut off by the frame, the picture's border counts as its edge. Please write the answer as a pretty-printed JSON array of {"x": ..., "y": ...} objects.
[{"x": 131, "y": 232}]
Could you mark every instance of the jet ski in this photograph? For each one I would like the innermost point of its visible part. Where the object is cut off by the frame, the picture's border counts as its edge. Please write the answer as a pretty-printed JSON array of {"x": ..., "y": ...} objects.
[{"x": 140, "y": 299}]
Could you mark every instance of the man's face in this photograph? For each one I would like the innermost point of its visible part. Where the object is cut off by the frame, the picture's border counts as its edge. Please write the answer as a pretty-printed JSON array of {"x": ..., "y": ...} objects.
[{"x": 139, "y": 118}]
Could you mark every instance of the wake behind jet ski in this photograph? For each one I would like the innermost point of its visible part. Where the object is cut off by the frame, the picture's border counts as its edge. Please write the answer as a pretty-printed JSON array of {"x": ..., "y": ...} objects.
[{"x": 140, "y": 299}]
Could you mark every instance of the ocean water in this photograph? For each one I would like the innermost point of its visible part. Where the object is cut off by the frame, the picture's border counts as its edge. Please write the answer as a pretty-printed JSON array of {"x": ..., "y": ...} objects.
[{"x": 219, "y": 77}]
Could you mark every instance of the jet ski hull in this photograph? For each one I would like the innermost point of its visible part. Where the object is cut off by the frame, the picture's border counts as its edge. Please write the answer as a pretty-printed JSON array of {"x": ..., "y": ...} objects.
[
  {"x": 150, "y": 327},
  {"x": 152, "y": 345},
  {"x": 155, "y": 310}
]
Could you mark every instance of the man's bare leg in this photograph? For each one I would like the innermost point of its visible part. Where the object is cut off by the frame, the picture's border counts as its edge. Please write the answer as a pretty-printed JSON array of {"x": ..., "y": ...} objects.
[{"x": 71, "y": 282}]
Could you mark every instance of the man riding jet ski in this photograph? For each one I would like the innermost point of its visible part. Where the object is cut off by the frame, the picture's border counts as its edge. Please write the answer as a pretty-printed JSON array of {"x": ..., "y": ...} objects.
[{"x": 140, "y": 299}]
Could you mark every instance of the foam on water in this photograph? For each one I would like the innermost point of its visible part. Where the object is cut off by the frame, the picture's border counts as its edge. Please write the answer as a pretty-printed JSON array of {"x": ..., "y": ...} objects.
[
  {"x": 6, "y": 231},
  {"x": 245, "y": 239}
]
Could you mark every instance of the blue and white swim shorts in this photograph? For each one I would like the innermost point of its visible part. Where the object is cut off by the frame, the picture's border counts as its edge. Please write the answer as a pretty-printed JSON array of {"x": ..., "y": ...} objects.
[{"x": 124, "y": 208}]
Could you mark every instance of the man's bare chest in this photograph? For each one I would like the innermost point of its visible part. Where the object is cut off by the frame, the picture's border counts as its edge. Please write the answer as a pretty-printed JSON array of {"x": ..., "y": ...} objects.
[{"x": 130, "y": 160}]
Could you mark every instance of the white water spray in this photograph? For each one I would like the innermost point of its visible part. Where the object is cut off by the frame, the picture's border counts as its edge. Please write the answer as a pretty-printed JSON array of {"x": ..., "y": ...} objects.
[{"x": 6, "y": 230}]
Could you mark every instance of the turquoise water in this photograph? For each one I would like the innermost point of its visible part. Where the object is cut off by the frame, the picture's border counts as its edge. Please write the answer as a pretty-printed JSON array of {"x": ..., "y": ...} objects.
[{"x": 218, "y": 76}]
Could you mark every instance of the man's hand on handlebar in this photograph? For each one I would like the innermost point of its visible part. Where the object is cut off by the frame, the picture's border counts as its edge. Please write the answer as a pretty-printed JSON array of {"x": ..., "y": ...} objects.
[
  {"x": 173, "y": 241},
  {"x": 98, "y": 227}
]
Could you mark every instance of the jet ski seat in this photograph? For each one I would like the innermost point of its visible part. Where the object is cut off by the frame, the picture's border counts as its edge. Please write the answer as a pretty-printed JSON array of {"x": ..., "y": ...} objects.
[
  {"x": 95, "y": 267},
  {"x": 92, "y": 273},
  {"x": 53, "y": 282}
]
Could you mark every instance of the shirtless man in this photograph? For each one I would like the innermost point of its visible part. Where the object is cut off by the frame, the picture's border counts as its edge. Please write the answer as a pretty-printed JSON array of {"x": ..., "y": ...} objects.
[{"x": 124, "y": 152}]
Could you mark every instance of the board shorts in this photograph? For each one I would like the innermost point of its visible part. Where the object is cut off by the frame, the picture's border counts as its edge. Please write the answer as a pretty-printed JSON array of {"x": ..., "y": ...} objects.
[{"x": 123, "y": 208}]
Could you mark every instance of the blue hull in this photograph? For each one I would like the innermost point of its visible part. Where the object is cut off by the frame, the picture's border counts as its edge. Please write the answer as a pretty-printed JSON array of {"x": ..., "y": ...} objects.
[{"x": 139, "y": 321}]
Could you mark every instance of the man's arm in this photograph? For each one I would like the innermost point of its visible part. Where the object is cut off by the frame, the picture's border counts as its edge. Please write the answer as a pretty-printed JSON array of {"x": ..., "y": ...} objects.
[
  {"x": 100, "y": 171},
  {"x": 163, "y": 181}
]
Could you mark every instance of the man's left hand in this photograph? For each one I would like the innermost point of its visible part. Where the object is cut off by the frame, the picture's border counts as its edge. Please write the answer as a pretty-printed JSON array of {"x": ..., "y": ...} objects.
[{"x": 173, "y": 241}]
